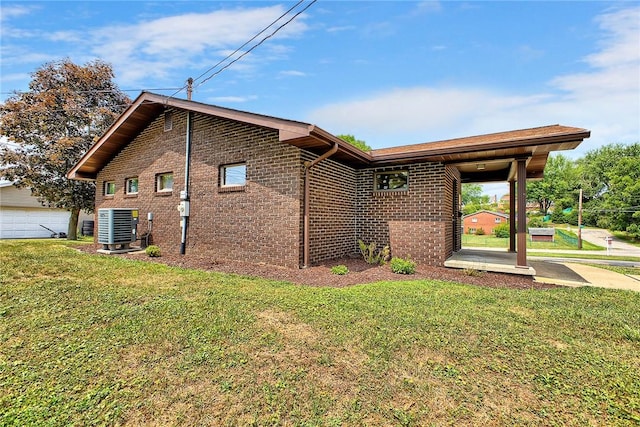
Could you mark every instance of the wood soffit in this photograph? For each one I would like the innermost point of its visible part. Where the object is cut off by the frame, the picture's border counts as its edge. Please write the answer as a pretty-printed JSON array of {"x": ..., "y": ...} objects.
[{"x": 497, "y": 150}]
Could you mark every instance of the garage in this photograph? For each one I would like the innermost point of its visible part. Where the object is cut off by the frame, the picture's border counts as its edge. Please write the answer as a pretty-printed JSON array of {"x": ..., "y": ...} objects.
[
  {"x": 25, "y": 223},
  {"x": 21, "y": 215}
]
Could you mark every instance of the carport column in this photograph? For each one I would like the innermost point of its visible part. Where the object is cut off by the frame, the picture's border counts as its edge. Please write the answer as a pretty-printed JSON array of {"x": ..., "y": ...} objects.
[
  {"x": 521, "y": 259},
  {"x": 512, "y": 216}
]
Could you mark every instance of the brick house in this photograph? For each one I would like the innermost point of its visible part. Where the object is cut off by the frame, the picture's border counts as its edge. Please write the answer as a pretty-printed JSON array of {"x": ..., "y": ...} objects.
[
  {"x": 485, "y": 220},
  {"x": 283, "y": 192}
]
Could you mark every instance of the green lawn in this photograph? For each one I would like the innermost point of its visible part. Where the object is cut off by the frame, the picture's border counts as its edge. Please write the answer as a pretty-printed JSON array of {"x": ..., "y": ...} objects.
[
  {"x": 491, "y": 241},
  {"x": 99, "y": 340}
]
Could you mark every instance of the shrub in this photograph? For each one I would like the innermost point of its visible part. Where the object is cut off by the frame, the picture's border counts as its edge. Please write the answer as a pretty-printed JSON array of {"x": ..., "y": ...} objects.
[
  {"x": 371, "y": 255},
  {"x": 402, "y": 266},
  {"x": 340, "y": 270},
  {"x": 480, "y": 232},
  {"x": 634, "y": 231},
  {"x": 536, "y": 222},
  {"x": 152, "y": 251},
  {"x": 501, "y": 230}
]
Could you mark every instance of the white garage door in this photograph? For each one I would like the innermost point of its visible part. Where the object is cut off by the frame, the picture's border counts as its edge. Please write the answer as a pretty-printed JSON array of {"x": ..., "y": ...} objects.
[{"x": 25, "y": 223}]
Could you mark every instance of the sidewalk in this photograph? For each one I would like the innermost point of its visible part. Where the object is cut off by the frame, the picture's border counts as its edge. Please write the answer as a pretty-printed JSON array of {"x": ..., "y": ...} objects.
[{"x": 592, "y": 276}]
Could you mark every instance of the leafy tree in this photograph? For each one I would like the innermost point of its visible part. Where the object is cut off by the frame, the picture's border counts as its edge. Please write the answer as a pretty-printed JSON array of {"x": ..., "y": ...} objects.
[
  {"x": 610, "y": 178},
  {"x": 355, "y": 142},
  {"x": 473, "y": 200},
  {"x": 558, "y": 187},
  {"x": 52, "y": 125}
]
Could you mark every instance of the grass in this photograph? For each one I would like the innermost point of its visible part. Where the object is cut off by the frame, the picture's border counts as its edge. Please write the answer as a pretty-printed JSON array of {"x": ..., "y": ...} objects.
[
  {"x": 584, "y": 255},
  {"x": 623, "y": 235},
  {"x": 619, "y": 269},
  {"x": 100, "y": 340},
  {"x": 491, "y": 241}
]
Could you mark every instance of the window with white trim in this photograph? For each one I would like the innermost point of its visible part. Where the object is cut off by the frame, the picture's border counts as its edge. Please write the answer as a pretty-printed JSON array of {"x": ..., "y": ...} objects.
[
  {"x": 391, "y": 181},
  {"x": 474, "y": 219},
  {"x": 498, "y": 220},
  {"x": 164, "y": 182},
  {"x": 234, "y": 175},
  {"x": 131, "y": 185},
  {"x": 109, "y": 188}
]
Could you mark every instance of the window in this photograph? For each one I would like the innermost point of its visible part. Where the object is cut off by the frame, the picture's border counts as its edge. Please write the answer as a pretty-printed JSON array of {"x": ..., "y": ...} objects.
[
  {"x": 131, "y": 186},
  {"x": 474, "y": 219},
  {"x": 164, "y": 182},
  {"x": 471, "y": 230},
  {"x": 233, "y": 175},
  {"x": 498, "y": 220},
  {"x": 109, "y": 188},
  {"x": 391, "y": 181}
]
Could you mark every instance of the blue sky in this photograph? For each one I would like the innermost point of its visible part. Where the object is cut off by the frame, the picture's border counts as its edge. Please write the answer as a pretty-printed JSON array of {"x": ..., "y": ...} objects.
[{"x": 390, "y": 73}]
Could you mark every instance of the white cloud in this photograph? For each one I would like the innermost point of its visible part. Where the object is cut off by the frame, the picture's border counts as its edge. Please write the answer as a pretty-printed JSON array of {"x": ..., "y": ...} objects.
[
  {"x": 7, "y": 12},
  {"x": 231, "y": 99},
  {"x": 604, "y": 98},
  {"x": 292, "y": 73},
  {"x": 151, "y": 49}
]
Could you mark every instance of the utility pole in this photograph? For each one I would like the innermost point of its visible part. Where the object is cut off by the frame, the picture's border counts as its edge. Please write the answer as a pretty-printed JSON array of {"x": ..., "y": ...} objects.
[{"x": 580, "y": 221}]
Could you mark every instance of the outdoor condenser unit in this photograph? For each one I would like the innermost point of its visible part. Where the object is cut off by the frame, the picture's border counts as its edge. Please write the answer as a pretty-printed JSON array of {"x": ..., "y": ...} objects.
[{"x": 117, "y": 226}]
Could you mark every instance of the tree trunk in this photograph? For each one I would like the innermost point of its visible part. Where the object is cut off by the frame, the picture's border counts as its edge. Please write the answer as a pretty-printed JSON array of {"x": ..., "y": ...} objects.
[{"x": 72, "y": 232}]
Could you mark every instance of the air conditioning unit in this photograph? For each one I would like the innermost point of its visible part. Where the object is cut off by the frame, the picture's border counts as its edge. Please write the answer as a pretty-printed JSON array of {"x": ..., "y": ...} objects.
[{"x": 117, "y": 227}]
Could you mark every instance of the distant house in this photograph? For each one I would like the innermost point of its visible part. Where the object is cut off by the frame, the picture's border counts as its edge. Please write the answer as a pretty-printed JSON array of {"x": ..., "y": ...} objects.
[
  {"x": 237, "y": 185},
  {"x": 485, "y": 220},
  {"x": 22, "y": 215}
]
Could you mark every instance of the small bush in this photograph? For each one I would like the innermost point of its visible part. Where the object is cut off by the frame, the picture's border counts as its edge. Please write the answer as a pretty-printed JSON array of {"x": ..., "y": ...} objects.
[
  {"x": 152, "y": 251},
  {"x": 340, "y": 270},
  {"x": 501, "y": 230},
  {"x": 403, "y": 266},
  {"x": 371, "y": 255},
  {"x": 480, "y": 232},
  {"x": 536, "y": 222}
]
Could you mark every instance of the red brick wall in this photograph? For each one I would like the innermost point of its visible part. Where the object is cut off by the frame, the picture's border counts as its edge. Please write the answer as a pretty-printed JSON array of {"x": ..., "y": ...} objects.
[
  {"x": 486, "y": 221},
  {"x": 259, "y": 223},
  {"x": 417, "y": 222},
  {"x": 332, "y": 217},
  {"x": 262, "y": 222}
]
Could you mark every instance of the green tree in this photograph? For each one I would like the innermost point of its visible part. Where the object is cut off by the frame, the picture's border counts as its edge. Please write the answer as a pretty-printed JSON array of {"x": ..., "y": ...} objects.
[
  {"x": 473, "y": 200},
  {"x": 355, "y": 142},
  {"x": 52, "y": 125},
  {"x": 558, "y": 187},
  {"x": 610, "y": 178}
]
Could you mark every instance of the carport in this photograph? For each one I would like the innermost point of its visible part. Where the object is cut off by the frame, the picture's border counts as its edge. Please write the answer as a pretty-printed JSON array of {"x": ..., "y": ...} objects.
[{"x": 512, "y": 157}]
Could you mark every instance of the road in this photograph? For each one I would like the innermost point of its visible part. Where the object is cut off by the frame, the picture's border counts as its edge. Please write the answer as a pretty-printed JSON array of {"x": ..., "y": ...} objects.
[{"x": 618, "y": 247}]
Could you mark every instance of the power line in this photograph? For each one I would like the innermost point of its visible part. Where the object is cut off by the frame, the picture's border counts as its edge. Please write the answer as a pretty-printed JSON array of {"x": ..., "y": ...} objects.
[{"x": 258, "y": 44}]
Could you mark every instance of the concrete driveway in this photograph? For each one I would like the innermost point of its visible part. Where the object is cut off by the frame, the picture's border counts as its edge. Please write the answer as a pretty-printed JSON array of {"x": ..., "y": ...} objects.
[{"x": 597, "y": 236}]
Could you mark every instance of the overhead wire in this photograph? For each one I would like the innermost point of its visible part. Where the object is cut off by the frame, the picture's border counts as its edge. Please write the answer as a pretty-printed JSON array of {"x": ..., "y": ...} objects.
[{"x": 258, "y": 44}]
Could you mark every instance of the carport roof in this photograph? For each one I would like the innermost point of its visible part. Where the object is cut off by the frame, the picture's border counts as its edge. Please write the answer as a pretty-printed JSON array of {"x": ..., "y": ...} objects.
[{"x": 496, "y": 150}]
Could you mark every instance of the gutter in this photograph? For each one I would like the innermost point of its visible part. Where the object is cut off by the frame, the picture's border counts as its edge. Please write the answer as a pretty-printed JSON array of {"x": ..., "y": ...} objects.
[{"x": 305, "y": 230}]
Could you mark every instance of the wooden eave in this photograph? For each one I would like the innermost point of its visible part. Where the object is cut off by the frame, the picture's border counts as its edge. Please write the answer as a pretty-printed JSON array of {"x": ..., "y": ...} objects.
[{"x": 498, "y": 150}]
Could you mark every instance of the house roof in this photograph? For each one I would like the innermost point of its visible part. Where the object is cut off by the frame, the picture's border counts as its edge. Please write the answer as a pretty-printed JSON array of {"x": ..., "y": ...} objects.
[
  {"x": 495, "y": 151},
  {"x": 500, "y": 214}
]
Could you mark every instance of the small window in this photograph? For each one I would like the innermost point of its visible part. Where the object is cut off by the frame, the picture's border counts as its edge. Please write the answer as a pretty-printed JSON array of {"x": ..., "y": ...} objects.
[
  {"x": 168, "y": 121},
  {"x": 109, "y": 188},
  {"x": 233, "y": 175},
  {"x": 471, "y": 230},
  {"x": 131, "y": 185},
  {"x": 498, "y": 220},
  {"x": 474, "y": 219},
  {"x": 164, "y": 182},
  {"x": 392, "y": 181}
]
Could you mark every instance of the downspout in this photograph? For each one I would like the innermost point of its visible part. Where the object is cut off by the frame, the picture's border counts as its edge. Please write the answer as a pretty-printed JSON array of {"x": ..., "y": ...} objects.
[
  {"x": 184, "y": 195},
  {"x": 305, "y": 230}
]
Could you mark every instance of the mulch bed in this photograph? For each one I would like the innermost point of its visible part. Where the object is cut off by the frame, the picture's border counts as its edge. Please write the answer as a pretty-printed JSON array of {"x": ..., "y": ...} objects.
[{"x": 359, "y": 271}]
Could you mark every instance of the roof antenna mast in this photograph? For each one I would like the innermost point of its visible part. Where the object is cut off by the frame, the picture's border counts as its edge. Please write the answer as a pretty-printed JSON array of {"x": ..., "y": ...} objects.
[{"x": 189, "y": 88}]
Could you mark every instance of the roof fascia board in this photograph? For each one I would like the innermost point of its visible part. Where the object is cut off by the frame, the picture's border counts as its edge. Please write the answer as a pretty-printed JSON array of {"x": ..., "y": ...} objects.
[{"x": 576, "y": 137}]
